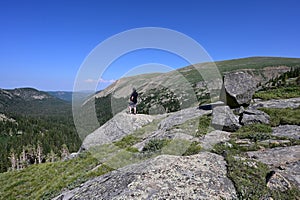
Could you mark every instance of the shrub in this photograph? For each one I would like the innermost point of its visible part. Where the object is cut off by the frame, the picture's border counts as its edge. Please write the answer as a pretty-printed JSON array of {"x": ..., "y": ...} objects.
[{"x": 155, "y": 145}]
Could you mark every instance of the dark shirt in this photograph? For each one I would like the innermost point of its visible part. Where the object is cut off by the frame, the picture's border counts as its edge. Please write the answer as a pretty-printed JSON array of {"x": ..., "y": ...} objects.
[{"x": 134, "y": 96}]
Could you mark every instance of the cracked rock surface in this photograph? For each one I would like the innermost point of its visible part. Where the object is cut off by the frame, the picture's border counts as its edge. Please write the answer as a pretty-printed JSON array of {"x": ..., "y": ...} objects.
[{"x": 201, "y": 176}]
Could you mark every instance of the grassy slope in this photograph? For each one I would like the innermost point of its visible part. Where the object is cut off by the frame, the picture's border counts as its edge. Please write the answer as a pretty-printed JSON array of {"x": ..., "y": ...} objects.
[
  {"x": 256, "y": 63},
  {"x": 44, "y": 181}
]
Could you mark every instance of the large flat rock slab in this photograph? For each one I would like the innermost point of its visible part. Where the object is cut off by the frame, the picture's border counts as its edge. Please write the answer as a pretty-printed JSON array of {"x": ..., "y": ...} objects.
[
  {"x": 201, "y": 176},
  {"x": 181, "y": 116},
  {"x": 115, "y": 129},
  {"x": 277, "y": 156}
]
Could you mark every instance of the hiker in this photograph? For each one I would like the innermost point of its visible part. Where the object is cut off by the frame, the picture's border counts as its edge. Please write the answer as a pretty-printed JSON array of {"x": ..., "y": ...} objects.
[{"x": 133, "y": 101}]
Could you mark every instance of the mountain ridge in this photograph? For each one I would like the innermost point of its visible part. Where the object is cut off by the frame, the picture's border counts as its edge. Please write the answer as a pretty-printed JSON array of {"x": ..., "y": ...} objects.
[{"x": 30, "y": 101}]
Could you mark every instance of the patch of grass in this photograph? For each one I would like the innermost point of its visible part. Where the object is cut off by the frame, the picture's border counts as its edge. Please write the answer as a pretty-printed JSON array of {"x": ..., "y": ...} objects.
[
  {"x": 127, "y": 141},
  {"x": 254, "y": 137},
  {"x": 176, "y": 147},
  {"x": 204, "y": 125},
  {"x": 123, "y": 158},
  {"x": 196, "y": 127},
  {"x": 194, "y": 148},
  {"x": 132, "y": 149},
  {"x": 283, "y": 116},
  {"x": 147, "y": 129},
  {"x": 45, "y": 181},
  {"x": 249, "y": 179},
  {"x": 279, "y": 93},
  {"x": 229, "y": 147},
  {"x": 260, "y": 128},
  {"x": 254, "y": 132}
]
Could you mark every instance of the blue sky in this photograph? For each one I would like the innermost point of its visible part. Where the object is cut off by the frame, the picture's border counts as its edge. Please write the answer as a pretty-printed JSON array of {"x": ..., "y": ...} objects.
[{"x": 43, "y": 43}]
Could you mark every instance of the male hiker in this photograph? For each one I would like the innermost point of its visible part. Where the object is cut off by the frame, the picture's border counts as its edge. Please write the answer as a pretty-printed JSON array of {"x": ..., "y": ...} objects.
[{"x": 133, "y": 101}]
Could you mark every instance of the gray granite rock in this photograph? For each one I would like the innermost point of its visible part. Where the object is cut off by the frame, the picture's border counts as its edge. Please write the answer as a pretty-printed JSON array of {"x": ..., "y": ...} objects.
[
  {"x": 277, "y": 103},
  {"x": 180, "y": 117},
  {"x": 285, "y": 160},
  {"x": 238, "y": 89},
  {"x": 290, "y": 131},
  {"x": 201, "y": 176},
  {"x": 277, "y": 156},
  {"x": 253, "y": 116},
  {"x": 115, "y": 129},
  {"x": 224, "y": 119},
  {"x": 213, "y": 138},
  {"x": 277, "y": 182}
]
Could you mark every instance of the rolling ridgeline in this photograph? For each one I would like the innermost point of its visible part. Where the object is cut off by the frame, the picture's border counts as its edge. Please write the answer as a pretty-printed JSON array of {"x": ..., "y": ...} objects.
[{"x": 36, "y": 127}]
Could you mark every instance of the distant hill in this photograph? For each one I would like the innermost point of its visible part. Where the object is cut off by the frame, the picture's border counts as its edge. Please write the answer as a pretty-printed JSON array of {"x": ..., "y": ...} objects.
[
  {"x": 68, "y": 95},
  {"x": 32, "y": 102},
  {"x": 184, "y": 87},
  {"x": 64, "y": 95},
  {"x": 30, "y": 118}
]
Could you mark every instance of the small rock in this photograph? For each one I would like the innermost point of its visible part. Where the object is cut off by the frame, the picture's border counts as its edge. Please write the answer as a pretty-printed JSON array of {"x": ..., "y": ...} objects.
[
  {"x": 281, "y": 167},
  {"x": 213, "y": 138},
  {"x": 243, "y": 141},
  {"x": 278, "y": 182},
  {"x": 253, "y": 116}
]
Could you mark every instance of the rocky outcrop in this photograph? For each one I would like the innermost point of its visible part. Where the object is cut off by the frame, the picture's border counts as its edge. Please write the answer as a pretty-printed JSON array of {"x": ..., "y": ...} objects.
[
  {"x": 277, "y": 156},
  {"x": 238, "y": 89},
  {"x": 201, "y": 176},
  {"x": 283, "y": 160},
  {"x": 116, "y": 128},
  {"x": 168, "y": 127},
  {"x": 277, "y": 182},
  {"x": 181, "y": 117},
  {"x": 290, "y": 131},
  {"x": 214, "y": 137},
  {"x": 277, "y": 103},
  {"x": 224, "y": 119},
  {"x": 253, "y": 116}
]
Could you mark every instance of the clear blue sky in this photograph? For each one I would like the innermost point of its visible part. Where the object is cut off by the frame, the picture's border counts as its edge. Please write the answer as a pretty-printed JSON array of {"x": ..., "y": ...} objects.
[{"x": 44, "y": 42}]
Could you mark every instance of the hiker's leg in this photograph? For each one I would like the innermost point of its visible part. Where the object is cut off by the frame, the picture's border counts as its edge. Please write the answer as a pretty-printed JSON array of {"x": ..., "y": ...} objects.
[{"x": 134, "y": 110}]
